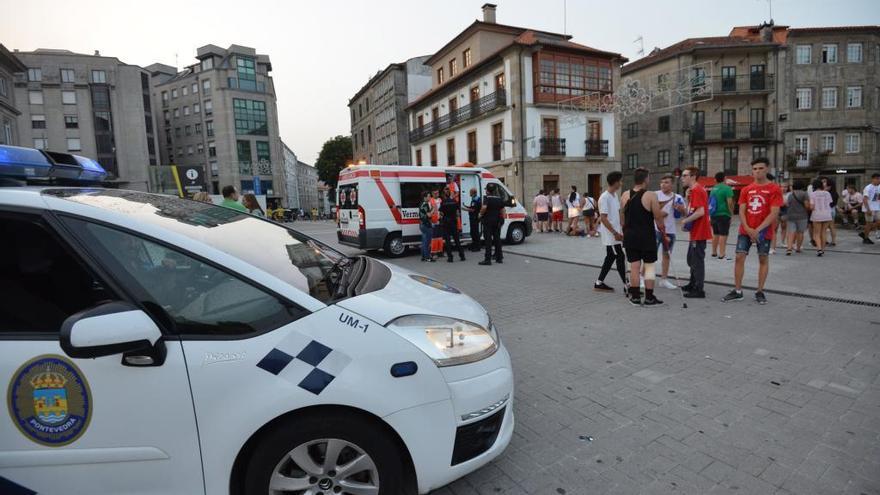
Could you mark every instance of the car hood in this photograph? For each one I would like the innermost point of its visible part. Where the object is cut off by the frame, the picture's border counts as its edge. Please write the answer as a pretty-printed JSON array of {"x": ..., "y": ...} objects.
[{"x": 410, "y": 293}]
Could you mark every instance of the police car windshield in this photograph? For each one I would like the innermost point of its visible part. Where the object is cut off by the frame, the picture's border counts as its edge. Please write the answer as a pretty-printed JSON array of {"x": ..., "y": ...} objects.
[{"x": 295, "y": 258}]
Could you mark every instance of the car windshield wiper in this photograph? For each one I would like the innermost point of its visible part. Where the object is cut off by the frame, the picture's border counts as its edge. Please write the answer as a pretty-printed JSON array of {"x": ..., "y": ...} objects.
[{"x": 344, "y": 274}]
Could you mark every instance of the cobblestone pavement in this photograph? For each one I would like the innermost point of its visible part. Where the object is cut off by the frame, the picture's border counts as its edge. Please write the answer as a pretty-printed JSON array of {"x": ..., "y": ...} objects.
[{"x": 716, "y": 398}]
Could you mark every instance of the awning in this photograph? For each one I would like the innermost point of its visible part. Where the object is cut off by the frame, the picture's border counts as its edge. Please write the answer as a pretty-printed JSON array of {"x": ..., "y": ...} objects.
[{"x": 737, "y": 182}]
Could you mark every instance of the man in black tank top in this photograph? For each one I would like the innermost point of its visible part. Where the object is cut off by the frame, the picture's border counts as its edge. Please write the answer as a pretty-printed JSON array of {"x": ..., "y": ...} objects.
[{"x": 641, "y": 212}]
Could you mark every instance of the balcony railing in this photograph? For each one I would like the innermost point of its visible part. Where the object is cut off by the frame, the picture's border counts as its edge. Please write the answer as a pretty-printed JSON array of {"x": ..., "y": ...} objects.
[
  {"x": 597, "y": 147},
  {"x": 750, "y": 83},
  {"x": 748, "y": 131},
  {"x": 552, "y": 146},
  {"x": 467, "y": 112}
]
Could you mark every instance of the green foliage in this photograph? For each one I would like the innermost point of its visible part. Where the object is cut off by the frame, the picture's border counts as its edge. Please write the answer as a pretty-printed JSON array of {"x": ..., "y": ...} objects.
[{"x": 335, "y": 155}]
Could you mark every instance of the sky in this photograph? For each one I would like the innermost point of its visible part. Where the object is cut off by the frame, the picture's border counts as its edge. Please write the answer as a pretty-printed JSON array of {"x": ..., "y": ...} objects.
[{"x": 323, "y": 52}]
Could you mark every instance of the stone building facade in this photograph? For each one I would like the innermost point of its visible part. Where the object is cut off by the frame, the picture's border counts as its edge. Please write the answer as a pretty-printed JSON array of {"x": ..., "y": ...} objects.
[
  {"x": 9, "y": 66},
  {"x": 728, "y": 114},
  {"x": 832, "y": 107},
  {"x": 90, "y": 105},
  {"x": 379, "y": 131},
  {"x": 221, "y": 114}
]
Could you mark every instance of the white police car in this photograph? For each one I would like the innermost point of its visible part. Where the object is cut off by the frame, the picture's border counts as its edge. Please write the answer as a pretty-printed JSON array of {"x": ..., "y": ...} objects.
[{"x": 158, "y": 345}]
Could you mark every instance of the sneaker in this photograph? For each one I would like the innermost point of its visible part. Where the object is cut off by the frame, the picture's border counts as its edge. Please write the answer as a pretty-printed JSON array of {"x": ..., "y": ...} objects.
[
  {"x": 866, "y": 240},
  {"x": 666, "y": 284},
  {"x": 772, "y": 251},
  {"x": 652, "y": 301},
  {"x": 485, "y": 263},
  {"x": 760, "y": 298},
  {"x": 695, "y": 294},
  {"x": 687, "y": 287},
  {"x": 733, "y": 295},
  {"x": 635, "y": 301},
  {"x": 499, "y": 261},
  {"x": 602, "y": 287}
]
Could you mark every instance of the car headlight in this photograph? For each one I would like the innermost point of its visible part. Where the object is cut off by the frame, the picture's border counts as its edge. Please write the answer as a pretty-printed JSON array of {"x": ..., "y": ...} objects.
[{"x": 447, "y": 341}]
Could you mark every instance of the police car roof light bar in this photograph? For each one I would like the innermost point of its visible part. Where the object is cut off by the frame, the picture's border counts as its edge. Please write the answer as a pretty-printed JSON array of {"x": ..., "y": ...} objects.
[{"x": 33, "y": 164}]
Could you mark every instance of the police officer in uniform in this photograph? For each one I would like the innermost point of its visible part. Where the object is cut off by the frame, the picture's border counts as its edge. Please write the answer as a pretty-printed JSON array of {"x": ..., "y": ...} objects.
[
  {"x": 449, "y": 211},
  {"x": 491, "y": 213},
  {"x": 474, "y": 215}
]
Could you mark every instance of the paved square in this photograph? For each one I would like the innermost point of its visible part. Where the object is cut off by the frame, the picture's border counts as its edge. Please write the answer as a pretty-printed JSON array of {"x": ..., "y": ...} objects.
[{"x": 716, "y": 398}]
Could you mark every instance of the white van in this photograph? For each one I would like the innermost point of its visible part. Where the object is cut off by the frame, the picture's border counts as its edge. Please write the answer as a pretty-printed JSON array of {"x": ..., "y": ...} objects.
[
  {"x": 157, "y": 345},
  {"x": 379, "y": 204}
]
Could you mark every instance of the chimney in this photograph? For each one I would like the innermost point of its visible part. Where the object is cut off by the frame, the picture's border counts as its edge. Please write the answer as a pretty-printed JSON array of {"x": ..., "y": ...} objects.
[
  {"x": 489, "y": 13},
  {"x": 767, "y": 31},
  {"x": 97, "y": 53}
]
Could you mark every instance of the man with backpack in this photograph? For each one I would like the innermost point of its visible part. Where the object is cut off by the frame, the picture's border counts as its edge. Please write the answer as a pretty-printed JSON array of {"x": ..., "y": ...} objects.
[{"x": 720, "y": 210}]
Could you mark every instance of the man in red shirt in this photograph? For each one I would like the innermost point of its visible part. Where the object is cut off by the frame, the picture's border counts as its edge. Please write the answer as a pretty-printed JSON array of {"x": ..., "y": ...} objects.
[
  {"x": 759, "y": 204},
  {"x": 697, "y": 222}
]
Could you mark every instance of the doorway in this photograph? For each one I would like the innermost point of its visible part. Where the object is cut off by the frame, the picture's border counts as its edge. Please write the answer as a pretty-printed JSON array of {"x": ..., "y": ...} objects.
[
  {"x": 594, "y": 185},
  {"x": 550, "y": 183}
]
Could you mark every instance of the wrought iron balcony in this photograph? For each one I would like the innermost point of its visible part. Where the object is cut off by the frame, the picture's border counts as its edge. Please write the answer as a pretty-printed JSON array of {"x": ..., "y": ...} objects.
[
  {"x": 552, "y": 146},
  {"x": 750, "y": 83},
  {"x": 465, "y": 113},
  {"x": 597, "y": 147},
  {"x": 747, "y": 131}
]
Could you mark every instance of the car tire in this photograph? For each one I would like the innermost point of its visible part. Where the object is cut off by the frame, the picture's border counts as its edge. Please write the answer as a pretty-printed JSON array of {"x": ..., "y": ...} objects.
[
  {"x": 272, "y": 464},
  {"x": 516, "y": 234},
  {"x": 394, "y": 246}
]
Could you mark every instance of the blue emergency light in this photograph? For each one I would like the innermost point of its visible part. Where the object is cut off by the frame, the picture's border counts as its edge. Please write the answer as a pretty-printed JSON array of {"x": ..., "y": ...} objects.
[
  {"x": 29, "y": 163},
  {"x": 23, "y": 162}
]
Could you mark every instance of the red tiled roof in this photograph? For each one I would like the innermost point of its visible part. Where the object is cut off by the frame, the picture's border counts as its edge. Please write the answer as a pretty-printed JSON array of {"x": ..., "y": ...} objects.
[
  {"x": 531, "y": 37},
  {"x": 831, "y": 29},
  {"x": 691, "y": 44}
]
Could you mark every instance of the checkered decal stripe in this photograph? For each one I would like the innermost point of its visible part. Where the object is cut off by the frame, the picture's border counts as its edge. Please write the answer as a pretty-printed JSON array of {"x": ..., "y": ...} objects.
[{"x": 306, "y": 362}]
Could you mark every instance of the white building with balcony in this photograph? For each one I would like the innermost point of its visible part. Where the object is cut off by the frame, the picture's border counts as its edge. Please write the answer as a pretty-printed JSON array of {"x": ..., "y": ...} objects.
[{"x": 498, "y": 100}]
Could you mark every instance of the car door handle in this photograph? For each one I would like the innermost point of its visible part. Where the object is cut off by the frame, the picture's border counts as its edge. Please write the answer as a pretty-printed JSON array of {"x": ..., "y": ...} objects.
[{"x": 139, "y": 360}]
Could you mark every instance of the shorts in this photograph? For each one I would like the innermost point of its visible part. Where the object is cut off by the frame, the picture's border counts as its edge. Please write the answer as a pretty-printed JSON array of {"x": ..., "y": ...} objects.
[
  {"x": 543, "y": 216},
  {"x": 872, "y": 216},
  {"x": 589, "y": 213},
  {"x": 721, "y": 225},
  {"x": 637, "y": 254},
  {"x": 798, "y": 225},
  {"x": 744, "y": 243},
  {"x": 557, "y": 216},
  {"x": 671, "y": 242}
]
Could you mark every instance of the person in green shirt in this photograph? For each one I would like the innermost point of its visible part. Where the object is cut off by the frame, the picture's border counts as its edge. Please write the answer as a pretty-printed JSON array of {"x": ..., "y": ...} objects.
[
  {"x": 230, "y": 199},
  {"x": 722, "y": 197}
]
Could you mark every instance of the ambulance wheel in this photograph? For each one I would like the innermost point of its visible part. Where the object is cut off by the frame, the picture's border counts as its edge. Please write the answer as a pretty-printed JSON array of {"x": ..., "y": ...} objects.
[
  {"x": 328, "y": 455},
  {"x": 516, "y": 234},
  {"x": 394, "y": 246}
]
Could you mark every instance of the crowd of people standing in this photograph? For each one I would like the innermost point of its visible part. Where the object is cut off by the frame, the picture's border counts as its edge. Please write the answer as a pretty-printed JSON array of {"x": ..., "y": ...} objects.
[
  {"x": 637, "y": 224},
  {"x": 440, "y": 223}
]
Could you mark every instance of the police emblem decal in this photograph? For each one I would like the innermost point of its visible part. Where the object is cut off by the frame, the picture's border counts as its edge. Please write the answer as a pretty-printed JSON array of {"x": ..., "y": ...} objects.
[
  {"x": 430, "y": 282},
  {"x": 49, "y": 400}
]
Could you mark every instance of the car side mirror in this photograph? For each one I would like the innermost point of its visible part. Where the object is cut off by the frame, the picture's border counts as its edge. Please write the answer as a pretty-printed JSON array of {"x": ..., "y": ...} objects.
[{"x": 113, "y": 328}]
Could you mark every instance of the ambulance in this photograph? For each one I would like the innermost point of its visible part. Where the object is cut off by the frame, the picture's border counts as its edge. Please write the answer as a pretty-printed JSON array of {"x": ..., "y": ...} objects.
[
  {"x": 157, "y": 345},
  {"x": 379, "y": 204}
]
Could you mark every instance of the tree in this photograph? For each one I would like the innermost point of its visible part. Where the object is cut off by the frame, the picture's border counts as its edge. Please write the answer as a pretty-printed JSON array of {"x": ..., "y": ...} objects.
[{"x": 335, "y": 155}]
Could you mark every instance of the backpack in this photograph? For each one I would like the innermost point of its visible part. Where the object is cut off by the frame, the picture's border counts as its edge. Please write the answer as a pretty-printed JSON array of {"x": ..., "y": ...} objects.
[{"x": 713, "y": 205}]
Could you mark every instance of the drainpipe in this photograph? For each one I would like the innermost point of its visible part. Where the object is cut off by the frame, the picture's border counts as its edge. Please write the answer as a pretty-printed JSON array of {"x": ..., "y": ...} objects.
[{"x": 522, "y": 113}]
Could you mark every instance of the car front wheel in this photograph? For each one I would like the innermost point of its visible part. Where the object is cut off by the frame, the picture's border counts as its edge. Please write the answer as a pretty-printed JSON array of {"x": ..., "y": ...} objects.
[{"x": 327, "y": 456}]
